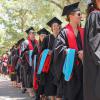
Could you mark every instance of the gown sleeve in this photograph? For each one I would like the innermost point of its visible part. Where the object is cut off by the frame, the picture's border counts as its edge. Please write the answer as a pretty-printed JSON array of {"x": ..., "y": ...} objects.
[
  {"x": 92, "y": 30},
  {"x": 59, "y": 52},
  {"x": 24, "y": 47},
  {"x": 61, "y": 41},
  {"x": 45, "y": 43}
]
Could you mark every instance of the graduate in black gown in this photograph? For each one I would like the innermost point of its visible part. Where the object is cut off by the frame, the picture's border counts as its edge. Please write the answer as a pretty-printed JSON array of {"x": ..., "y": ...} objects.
[
  {"x": 29, "y": 47},
  {"x": 50, "y": 88},
  {"x": 18, "y": 63},
  {"x": 71, "y": 36},
  {"x": 13, "y": 62},
  {"x": 42, "y": 34},
  {"x": 92, "y": 53}
]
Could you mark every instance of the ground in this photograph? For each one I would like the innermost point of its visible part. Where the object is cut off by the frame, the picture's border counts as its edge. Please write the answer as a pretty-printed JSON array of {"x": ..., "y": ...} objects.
[{"x": 7, "y": 92}]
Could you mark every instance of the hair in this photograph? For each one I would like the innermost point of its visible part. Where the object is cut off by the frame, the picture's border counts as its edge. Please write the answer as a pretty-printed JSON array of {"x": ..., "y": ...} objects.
[
  {"x": 68, "y": 18},
  {"x": 91, "y": 7}
]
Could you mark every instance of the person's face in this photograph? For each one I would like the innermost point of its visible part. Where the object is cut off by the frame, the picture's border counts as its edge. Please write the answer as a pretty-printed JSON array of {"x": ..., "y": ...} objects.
[
  {"x": 32, "y": 36},
  {"x": 18, "y": 46},
  {"x": 6, "y": 55},
  {"x": 41, "y": 37},
  {"x": 55, "y": 28},
  {"x": 76, "y": 17},
  {"x": 98, "y": 3}
]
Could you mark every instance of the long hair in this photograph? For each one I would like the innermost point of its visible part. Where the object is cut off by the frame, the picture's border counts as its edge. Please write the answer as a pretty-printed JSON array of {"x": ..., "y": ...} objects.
[{"x": 91, "y": 7}]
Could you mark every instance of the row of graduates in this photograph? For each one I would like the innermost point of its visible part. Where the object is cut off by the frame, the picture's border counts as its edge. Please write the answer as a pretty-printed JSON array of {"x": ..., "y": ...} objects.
[{"x": 53, "y": 66}]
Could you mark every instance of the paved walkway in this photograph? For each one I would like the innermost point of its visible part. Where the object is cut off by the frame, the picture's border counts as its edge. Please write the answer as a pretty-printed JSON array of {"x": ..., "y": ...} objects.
[{"x": 7, "y": 92}]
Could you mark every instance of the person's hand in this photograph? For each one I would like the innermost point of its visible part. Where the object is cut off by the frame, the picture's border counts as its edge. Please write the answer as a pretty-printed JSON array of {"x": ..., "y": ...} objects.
[{"x": 80, "y": 55}]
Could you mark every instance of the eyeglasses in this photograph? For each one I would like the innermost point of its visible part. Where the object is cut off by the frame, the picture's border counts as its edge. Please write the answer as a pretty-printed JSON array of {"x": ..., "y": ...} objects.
[{"x": 78, "y": 14}]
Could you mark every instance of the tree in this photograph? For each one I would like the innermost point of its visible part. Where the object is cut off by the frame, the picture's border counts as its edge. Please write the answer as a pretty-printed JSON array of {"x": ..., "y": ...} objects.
[{"x": 17, "y": 15}]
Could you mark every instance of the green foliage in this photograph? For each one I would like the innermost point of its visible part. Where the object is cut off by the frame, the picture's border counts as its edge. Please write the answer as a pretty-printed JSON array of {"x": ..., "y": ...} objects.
[{"x": 17, "y": 15}]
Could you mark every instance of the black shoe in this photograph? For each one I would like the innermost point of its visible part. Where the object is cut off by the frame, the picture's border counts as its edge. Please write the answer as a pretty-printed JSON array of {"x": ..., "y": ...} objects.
[
  {"x": 37, "y": 98},
  {"x": 23, "y": 91}
]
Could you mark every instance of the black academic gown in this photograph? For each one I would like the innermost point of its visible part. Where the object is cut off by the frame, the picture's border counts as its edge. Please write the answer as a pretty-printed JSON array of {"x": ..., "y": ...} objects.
[
  {"x": 17, "y": 67},
  {"x": 27, "y": 70},
  {"x": 72, "y": 90},
  {"x": 48, "y": 42},
  {"x": 46, "y": 78},
  {"x": 92, "y": 57},
  {"x": 14, "y": 55}
]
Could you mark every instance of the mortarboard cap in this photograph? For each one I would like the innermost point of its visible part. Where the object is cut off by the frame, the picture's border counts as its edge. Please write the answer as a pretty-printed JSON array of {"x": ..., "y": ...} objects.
[
  {"x": 43, "y": 31},
  {"x": 54, "y": 20},
  {"x": 70, "y": 8},
  {"x": 31, "y": 29},
  {"x": 21, "y": 40}
]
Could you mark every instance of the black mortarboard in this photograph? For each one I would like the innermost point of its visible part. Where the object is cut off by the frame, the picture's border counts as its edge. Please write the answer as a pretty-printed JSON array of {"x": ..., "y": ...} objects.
[
  {"x": 43, "y": 31},
  {"x": 70, "y": 8},
  {"x": 21, "y": 40},
  {"x": 54, "y": 20},
  {"x": 31, "y": 29}
]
